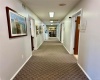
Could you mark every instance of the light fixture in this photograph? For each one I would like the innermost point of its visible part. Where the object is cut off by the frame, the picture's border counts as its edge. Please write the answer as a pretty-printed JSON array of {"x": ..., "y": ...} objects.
[
  {"x": 51, "y": 24},
  {"x": 51, "y": 14},
  {"x": 51, "y": 21}
]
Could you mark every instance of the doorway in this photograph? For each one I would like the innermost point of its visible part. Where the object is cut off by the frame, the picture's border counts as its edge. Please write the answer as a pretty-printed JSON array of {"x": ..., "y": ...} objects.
[
  {"x": 52, "y": 31},
  {"x": 76, "y": 22},
  {"x": 32, "y": 43},
  {"x": 33, "y": 33},
  {"x": 61, "y": 32}
]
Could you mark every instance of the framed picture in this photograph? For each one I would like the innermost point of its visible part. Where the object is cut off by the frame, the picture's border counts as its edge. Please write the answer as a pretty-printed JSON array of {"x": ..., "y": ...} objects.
[
  {"x": 16, "y": 24},
  {"x": 40, "y": 30},
  {"x": 37, "y": 30}
]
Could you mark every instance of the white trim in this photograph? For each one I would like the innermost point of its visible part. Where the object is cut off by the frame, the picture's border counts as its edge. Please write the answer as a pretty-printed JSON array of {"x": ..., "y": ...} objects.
[
  {"x": 84, "y": 71},
  {"x": 67, "y": 50},
  {"x": 72, "y": 36},
  {"x": 62, "y": 34},
  {"x": 20, "y": 68},
  {"x": 78, "y": 12}
]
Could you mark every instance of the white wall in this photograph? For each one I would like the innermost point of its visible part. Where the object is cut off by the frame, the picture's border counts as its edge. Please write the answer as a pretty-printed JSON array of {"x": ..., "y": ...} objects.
[
  {"x": 89, "y": 42},
  {"x": 67, "y": 26},
  {"x": 12, "y": 50},
  {"x": 39, "y": 38}
]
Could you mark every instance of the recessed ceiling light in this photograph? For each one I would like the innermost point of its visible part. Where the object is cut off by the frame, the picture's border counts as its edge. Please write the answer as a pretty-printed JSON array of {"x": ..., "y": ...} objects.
[
  {"x": 51, "y": 21},
  {"x": 51, "y": 14},
  {"x": 62, "y": 4}
]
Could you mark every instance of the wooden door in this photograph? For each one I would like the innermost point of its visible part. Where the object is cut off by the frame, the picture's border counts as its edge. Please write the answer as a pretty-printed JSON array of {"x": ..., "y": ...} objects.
[
  {"x": 32, "y": 44},
  {"x": 76, "y": 36}
]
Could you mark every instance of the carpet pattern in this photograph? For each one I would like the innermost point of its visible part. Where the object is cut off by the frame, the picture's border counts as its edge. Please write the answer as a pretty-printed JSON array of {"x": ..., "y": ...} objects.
[{"x": 51, "y": 62}]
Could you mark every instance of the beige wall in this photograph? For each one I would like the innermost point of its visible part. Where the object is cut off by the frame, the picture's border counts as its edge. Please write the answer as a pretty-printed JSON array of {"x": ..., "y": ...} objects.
[
  {"x": 14, "y": 52},
  {"x": 89, "y": 42}
]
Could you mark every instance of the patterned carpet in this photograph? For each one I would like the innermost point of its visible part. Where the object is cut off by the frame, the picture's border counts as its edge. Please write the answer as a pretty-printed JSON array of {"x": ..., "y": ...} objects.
[{"x": 51, "y": 62}]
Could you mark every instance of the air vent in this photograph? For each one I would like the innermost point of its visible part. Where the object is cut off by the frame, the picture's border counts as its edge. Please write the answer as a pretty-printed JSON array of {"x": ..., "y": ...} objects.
[
  {"x": 62, "y": 4},
  {"x": 56, "y": 21},
  {"x": 23, "y": 6}
]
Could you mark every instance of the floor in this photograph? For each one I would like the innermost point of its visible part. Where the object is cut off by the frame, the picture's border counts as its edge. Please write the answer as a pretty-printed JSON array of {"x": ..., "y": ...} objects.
[
  {"x": 51, "y": 62},
  {"x": 76, "y": 56},
  {"x": 52, "y": 39}
]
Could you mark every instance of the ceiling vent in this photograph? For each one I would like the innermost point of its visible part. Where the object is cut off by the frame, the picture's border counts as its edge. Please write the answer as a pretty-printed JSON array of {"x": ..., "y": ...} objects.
[
  {"x": 56, "y": 21},
  {"x": 23, "y": 6},
  {"x": 62, "y": 4}
]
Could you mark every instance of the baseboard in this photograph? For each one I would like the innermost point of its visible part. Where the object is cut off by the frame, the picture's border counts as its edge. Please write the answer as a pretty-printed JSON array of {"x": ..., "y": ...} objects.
[
  {"x": 84, "y": 71},
  {"x": 20, "y": 68},
  {"x": 40, "y": 45},
  {"x": 66, "y": 49}
]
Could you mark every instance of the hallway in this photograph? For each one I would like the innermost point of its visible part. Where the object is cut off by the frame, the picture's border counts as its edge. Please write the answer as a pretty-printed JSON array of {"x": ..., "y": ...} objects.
[{"x": 51, "y": 62}]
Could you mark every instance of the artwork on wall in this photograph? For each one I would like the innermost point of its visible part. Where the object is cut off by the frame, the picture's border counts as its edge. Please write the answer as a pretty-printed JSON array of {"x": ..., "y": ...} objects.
[
  {"x": 37, "y": 30},
  {"x": 40, "y": 30},
  {"x": 46, "y": 31},
  {"x": 16, "y": 24}
]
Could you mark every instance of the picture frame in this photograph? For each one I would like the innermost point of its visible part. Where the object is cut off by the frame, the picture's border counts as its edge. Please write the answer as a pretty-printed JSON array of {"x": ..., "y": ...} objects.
[
  {"x": 37, "y": 30},
  {"x": 40, "y": 30},
  {"x": 17, "y": 26}
]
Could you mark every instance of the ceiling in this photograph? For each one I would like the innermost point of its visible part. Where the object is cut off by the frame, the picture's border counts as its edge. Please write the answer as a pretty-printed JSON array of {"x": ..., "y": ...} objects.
[{"x": 42, "y": 8}]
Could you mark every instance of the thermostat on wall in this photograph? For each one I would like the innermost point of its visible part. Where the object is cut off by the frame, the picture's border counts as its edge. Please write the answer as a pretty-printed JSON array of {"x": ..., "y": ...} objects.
[{"x": 83, "y": 24}]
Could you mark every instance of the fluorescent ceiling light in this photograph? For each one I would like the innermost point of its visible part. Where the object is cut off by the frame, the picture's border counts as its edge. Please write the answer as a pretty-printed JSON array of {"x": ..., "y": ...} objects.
[
  {"x": 51, "y": 14},
  {"x": 51, "y": 21}
]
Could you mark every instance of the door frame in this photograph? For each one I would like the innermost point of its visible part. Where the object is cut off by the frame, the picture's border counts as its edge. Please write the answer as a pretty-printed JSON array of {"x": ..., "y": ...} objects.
[
  {"x": 62, "y": 34},
  {"x": 33, "y": 36},
  {"x": 74, "y": 16}
]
